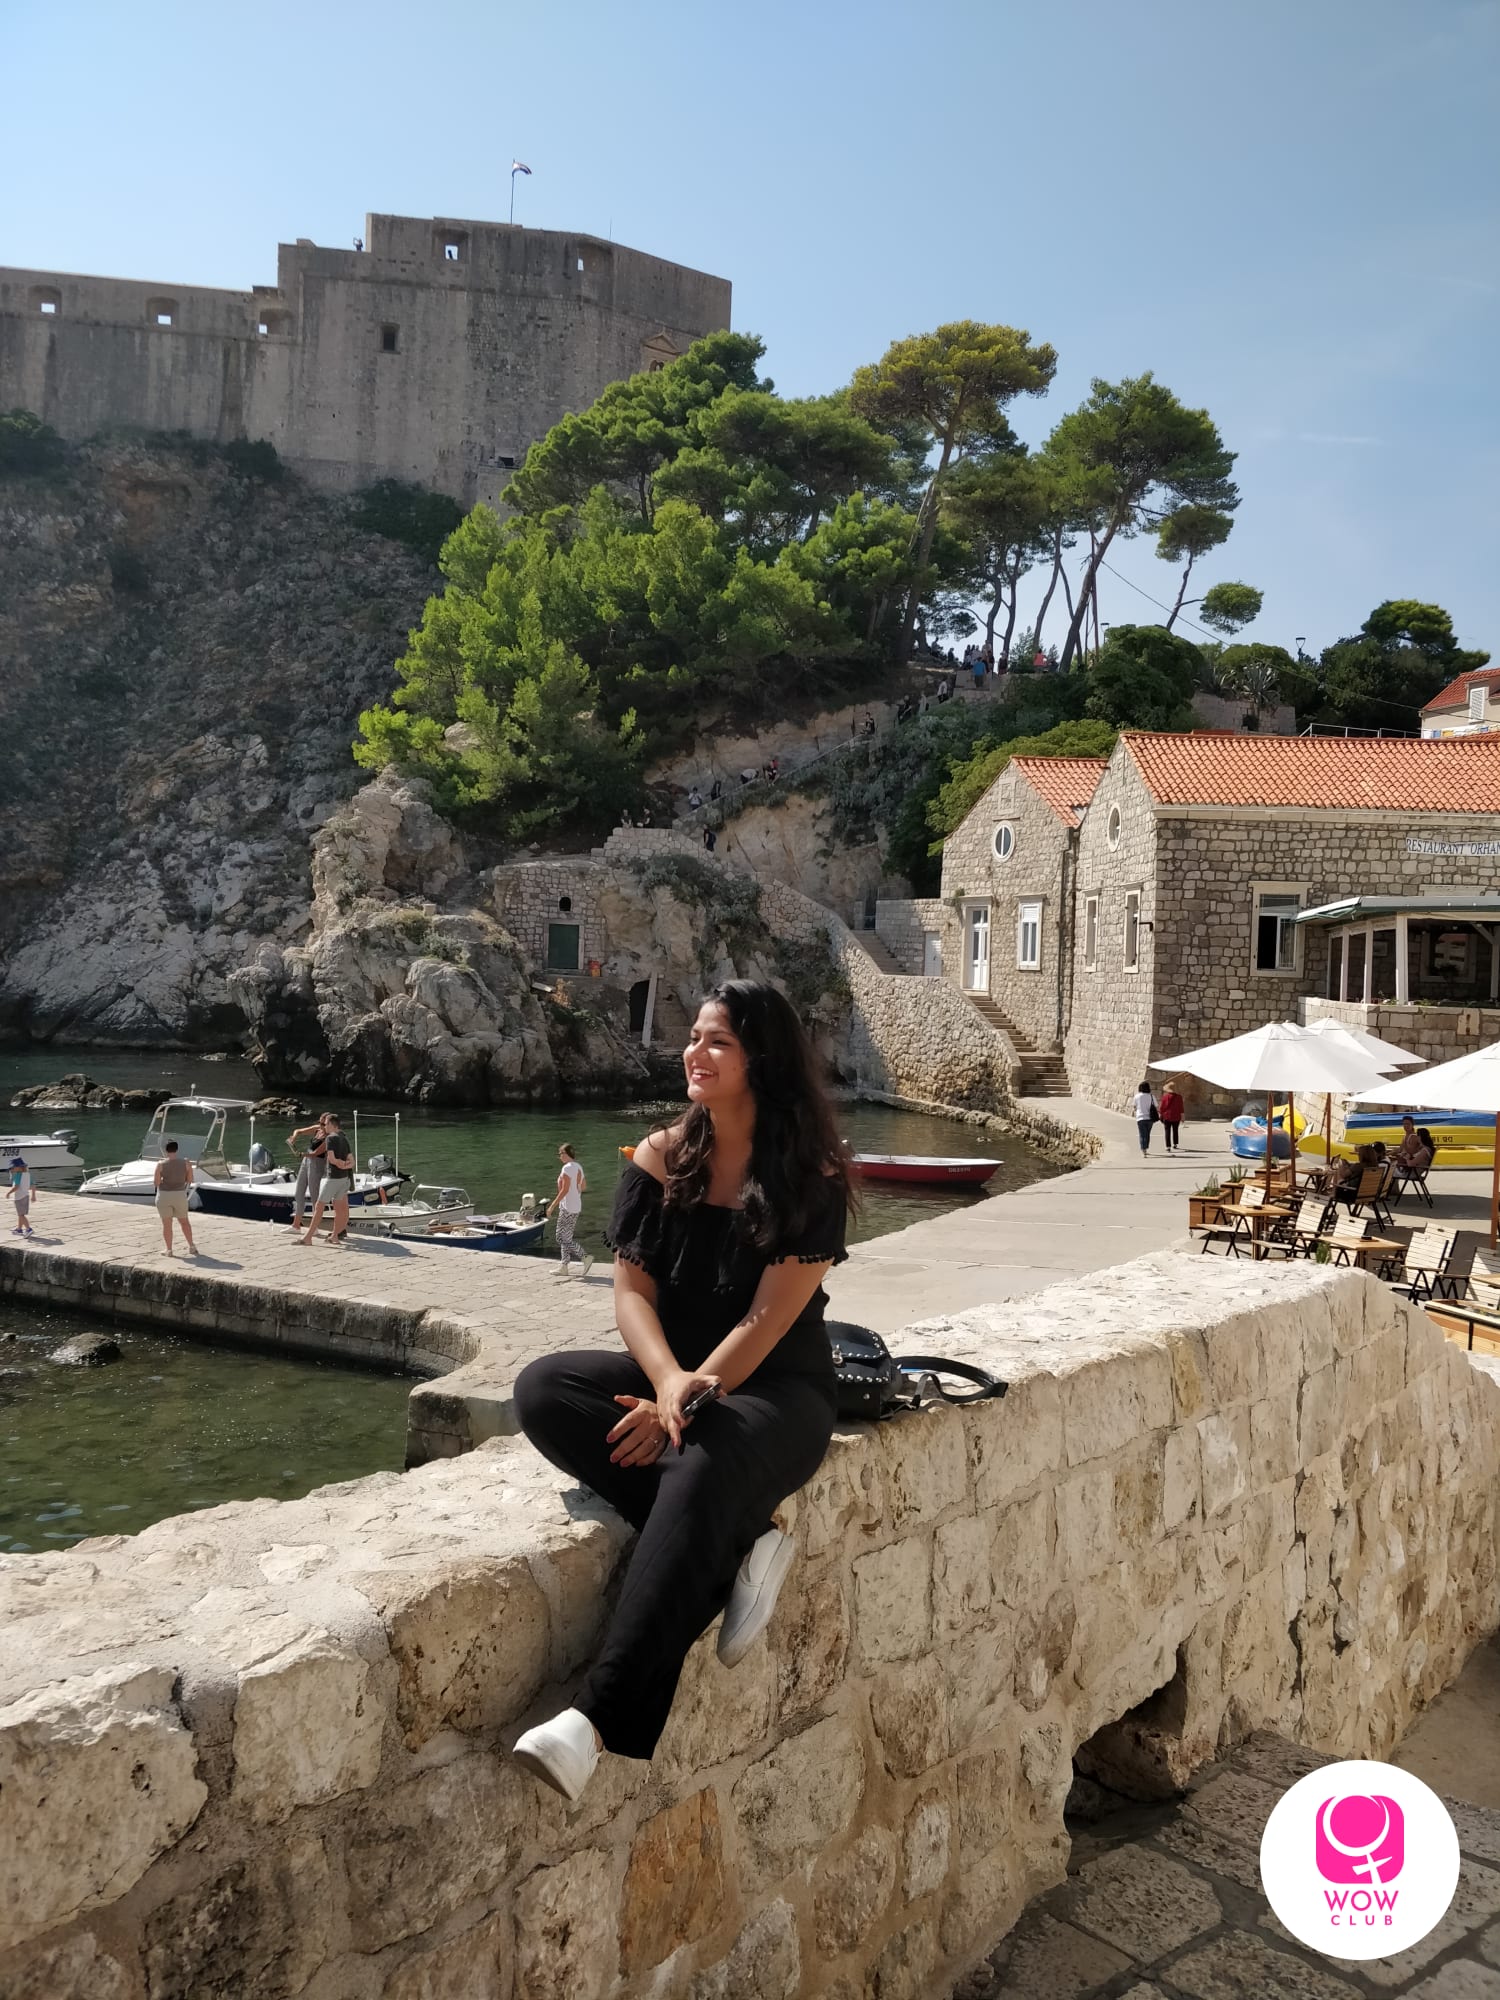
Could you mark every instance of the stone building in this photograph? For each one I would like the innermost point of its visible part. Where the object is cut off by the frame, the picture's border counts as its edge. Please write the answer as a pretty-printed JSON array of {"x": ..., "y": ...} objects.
[
  {"x": 1201, "y": 885},
  {"x": 437, "y": 353},
  {"x": 1468, "y": 706}
]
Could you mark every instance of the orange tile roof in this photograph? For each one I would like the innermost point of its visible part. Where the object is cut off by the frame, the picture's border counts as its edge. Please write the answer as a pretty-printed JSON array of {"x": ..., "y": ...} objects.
[
  {"x": 1435, "y": 774},
  {"x": 1064, "y": 783},
  {"x": 1456, "y": 693}
]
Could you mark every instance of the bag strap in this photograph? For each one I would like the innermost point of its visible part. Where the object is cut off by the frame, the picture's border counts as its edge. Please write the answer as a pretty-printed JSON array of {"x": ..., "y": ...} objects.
[{"x": 985, "y": 1384}]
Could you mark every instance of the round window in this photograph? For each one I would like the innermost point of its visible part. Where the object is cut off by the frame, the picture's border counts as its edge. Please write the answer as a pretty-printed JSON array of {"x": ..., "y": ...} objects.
[
  {"x": 1113, "y": 826},
  {"x": 1005, "y": 842}
]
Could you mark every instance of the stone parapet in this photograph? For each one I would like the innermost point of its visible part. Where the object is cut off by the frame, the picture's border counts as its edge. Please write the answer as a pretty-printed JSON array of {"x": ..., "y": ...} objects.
[
  {"x": 262, "y": 1749},
  {"x": 902, "y": 925}
]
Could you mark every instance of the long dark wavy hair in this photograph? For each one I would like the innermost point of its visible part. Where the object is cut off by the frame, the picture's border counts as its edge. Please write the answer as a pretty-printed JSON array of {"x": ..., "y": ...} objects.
[{"x": 796, "y": 1149}]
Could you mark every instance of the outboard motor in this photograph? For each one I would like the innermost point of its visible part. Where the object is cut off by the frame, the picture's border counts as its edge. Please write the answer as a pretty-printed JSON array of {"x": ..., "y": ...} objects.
[
  {"x": 381, "y": 1163},
  {"x": 67, "y": 1138},
  {"x": 451, "y": 1198},
  {"x": 527, "y": 1210},
  {"x": 260, "y": 1159}
]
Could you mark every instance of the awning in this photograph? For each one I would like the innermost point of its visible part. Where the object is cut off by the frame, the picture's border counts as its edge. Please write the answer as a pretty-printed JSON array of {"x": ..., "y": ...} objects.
[{"x": 1371, "y": 909}]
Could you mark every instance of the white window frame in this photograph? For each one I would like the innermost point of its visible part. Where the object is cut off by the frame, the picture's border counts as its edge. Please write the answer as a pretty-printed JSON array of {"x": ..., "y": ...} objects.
[
  {"x": 1006, "y": 832},
  {"x": 1112, "y": 828},
  {"x": 1131, "y": 934},
  {"x": 1029, "y": 948},
  {"x": 971, "y": 913},
  {"x": 1479, "y": 699},
  {"x": 1091, "y": 933},
  {"x": 1259, "y": 893}
]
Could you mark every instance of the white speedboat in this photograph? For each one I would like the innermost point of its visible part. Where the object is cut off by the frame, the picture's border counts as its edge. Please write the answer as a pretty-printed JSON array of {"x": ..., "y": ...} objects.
[
  {"x": 42, "y": 1151},
  {"x": 421, "y": 1212}
]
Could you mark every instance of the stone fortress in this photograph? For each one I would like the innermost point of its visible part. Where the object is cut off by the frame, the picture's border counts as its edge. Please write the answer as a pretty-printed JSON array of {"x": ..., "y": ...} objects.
[{"x": 437, "y": 353}]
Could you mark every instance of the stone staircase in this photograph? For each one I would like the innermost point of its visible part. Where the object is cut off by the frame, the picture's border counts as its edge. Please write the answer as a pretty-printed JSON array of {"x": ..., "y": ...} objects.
[
  {"x": 1043, "y": 1072},
  {"x": 876, "y": 949}
]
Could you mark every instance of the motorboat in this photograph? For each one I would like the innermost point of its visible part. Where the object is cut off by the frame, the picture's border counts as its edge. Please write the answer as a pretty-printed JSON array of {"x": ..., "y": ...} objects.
[
  {"x": 43, "y": 1152},
  {"x": 256, "y": 1191},
  {"x": 510, "y": 1232},
  {"x": 425, "y": 1209},
  {"x": 1464, "y": 1138},
  {"x": 923, "y": 1170}
]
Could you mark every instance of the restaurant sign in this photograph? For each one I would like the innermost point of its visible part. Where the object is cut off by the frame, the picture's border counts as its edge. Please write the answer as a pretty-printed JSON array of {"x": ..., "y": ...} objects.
[{"x": 1453, "y": 847}]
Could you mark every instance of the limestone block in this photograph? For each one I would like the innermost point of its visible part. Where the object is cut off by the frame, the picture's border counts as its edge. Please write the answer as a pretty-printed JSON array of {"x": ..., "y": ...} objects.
[
  {"x": 417, "y": 1852},
  {"x": 566, "y": 1929},
  {"x": 1086, "y": 1520},
  {"x": 719, "y": 1712},
  {"x": 674, "y": 1882},
  {"x": 1043, "y": 1643},
  {"x": 852, "y": 1892},
  {"x": 926, "y": 1468},
  {"x": 476, "y": 1966},
  {"x": 1143, "y": 1903},
  {"x": 1321, "y": 1417},
  {"x": 764, "y": 1964},
  {"x": 847, "y": 1491},
  {"x": 963, "y": 1584},
  {"x": 260, "y": 1931},
  {"x": 926, "y": 1846},
  {"x": 909, "y": 1709},
  {"x": 97, "y": 1777},
  {"x": 307, "y": 1727},
  {"x": 1273, "y": 1438},
  {"x": 77, "y": 1969},
  {"x": 798, "y": 1797},
  {"x": 1181, "y": 1485},
  {"x": 1224, "y": 1456},
  {"x": 1135, "y": 1502},
  {"x": 986, "y": 1781},
  {"x": 892, "y": 1601},
  {"x": 984, "y": 1904},
  {"x": 470, "y": 1642},
  {"x": 808, "y": 1638},
  {"x": 1107, "y": 1405},
  {"x": 981, "y": 1669},
  {"x": 1023, "y": 1544},
  {"x": 904, "y": 1968},
  {"x": 1016, "y": 1442}
]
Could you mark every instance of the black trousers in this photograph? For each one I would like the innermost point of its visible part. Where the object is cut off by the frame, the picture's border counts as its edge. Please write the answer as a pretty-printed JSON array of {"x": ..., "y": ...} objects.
[
  {"x": 1170, "y": 1128},
  {"x": 695, "y": 1513}
]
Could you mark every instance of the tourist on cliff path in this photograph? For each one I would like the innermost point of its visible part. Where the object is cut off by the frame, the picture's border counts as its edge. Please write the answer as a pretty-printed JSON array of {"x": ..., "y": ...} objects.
[
  {"x": 567, "y": 1205},
  {"x": 1171, "y": 1109},
  {"x": 337, "y": 1158},
  {"x": 725, "y": 1225},
  {"x": 310, "y": 1171},
  {"x": 21, "y": 1192},
  {"x": 710, "y": 839},
  {"x": 172, "y": 1179},
  {"x": 1146, "y": 1115}
]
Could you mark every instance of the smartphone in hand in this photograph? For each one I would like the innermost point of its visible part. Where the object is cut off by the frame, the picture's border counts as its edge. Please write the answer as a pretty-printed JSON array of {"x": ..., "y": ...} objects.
[{"x": 699, "y": 1400}]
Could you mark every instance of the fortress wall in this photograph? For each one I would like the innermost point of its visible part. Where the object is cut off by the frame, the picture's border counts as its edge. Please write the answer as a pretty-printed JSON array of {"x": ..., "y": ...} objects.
[{"x": 262, "y": 1750}]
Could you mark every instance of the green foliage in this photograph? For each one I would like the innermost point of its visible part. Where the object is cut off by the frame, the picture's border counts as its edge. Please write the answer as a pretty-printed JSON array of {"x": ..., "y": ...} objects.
[
  {"x": 1228, "y": 606},
  {"x": 1144, "y": 679},
  {"x": 412, "y": 514},
  {"x": 1189, "y": 532},
  {"x": 27, "y": 445},
  {"x": 1402, "y": 655},
  {"x": 255, "y": 458},
  {"x": 1259, "y": 674},
  {"x": 968, "y": 781}
]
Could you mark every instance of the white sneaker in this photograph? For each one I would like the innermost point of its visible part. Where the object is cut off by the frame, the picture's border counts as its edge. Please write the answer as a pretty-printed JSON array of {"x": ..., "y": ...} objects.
[
  {"x": 563, "y": 1271},
  {"x": 562, "y": 1752},
  {"x": 753, "y": 1598},
  {"x": 586, "y": 1267}
]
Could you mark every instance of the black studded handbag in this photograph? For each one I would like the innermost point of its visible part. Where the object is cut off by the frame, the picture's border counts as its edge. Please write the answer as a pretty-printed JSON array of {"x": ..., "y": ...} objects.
[{"x": 873, "y": 1383}]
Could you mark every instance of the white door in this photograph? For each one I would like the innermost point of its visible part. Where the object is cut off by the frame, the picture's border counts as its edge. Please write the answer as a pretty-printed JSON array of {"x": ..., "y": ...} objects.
[
  {"x": 932, "y": 955},
  {"x": 977, "y": 949}
]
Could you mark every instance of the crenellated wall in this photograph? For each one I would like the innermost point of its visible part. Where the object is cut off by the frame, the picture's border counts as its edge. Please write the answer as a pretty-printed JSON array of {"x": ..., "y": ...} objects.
[{"x": 261, "y": 1751}]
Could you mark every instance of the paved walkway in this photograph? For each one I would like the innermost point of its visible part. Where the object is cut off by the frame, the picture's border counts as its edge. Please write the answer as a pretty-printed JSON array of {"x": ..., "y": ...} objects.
[{"x": 1164, "y": 1903}]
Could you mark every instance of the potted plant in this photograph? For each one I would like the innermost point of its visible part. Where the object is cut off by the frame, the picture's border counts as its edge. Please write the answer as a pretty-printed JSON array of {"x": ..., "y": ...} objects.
[{"x": 1203, "y": 1204}]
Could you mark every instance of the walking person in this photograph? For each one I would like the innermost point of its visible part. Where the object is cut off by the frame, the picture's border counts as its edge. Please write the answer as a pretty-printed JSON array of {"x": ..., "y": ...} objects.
[
  {"x": 310, "y": 1167},
  {"x": 1146, "y": 1115},
  {"x": 21, "y": 1193},
  {"x": 567, "y": 1205},
  {"x": 172, "y": 1179},
  {"x": 725, "y": 1225},
  {"x": 1171, "y": 1109},
  {"x": 710, "y": 840},
  {"x": 337, "y": 1158}
]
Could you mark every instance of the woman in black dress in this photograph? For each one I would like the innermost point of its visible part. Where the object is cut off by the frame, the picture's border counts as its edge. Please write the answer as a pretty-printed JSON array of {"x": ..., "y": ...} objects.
[{"x": 725, "y": 1225}]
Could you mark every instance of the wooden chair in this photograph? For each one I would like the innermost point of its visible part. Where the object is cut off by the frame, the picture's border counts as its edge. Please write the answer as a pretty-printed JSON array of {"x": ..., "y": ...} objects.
[
  {"x": 1404, "y": 1177},
  {"x": 1371, "y": 1194},
  {"x": 1300, "y": 1233},
  {"x": 1425, "y": 1267},
  {"x": 1236, "y": 1222},
  {"x": 1484, "y": 1272}
]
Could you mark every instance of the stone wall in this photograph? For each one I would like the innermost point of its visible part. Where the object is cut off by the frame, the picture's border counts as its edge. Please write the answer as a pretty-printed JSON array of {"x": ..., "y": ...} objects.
[
  {"x": 1110, "y": 1031},
  {"x": 261, "y": 1750},
  {"x": 902, "y": 924},
  {"x": 489, "y": 348},
  {"x": 1436, "y": 1034},
  {"x": 1217, "y": 711}
]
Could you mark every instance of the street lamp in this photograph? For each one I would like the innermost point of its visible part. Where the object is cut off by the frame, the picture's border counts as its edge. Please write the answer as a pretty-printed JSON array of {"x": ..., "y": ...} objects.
[{"x": 1301, "y": 641}]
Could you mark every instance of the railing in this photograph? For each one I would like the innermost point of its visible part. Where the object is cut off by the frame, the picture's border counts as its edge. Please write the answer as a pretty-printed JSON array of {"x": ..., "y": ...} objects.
[{"x": 1344, "y": 729}]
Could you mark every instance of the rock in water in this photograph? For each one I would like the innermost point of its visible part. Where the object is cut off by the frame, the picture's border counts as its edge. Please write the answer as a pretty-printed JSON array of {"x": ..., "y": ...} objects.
[
  {"x": 279, "y": 1107},
  {"x": 89, "y": 1350}
]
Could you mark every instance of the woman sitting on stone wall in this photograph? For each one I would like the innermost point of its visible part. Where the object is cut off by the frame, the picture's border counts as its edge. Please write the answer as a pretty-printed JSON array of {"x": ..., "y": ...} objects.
[{"x": 725, "y": 1225}]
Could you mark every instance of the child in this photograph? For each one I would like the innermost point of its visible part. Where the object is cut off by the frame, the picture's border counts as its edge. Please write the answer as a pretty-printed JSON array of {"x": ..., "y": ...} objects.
[{"x": 21, "y": 1192}]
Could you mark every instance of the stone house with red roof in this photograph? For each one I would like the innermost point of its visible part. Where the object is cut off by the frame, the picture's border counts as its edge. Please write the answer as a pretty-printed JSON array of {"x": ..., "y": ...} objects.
[
  {"x": 1200, "y": 885},
  {"x": 1468, "y": 706}
]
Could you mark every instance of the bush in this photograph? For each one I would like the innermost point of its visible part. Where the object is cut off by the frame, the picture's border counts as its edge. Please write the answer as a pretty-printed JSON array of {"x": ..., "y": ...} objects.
[
  {"x": 254, "y": 458},
  {"x": 27, "y": 445},
  {"x": 410, "y": 514}
]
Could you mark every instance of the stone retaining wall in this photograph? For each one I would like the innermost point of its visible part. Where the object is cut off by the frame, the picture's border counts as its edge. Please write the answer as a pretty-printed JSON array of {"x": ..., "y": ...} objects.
[{"x": 261, "y": 1751}]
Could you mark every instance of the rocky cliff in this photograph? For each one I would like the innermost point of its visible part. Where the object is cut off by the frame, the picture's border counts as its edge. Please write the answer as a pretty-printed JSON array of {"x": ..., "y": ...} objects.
[{"x": 183, "y": 653}]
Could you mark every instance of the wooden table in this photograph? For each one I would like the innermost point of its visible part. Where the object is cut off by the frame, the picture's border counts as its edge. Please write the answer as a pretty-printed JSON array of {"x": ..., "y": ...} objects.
[{"x": 1267, "y": 1211}]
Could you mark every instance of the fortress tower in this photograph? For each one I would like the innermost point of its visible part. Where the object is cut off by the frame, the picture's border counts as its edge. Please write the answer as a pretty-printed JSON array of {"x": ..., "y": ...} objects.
[{"x": 436, "y": 354}]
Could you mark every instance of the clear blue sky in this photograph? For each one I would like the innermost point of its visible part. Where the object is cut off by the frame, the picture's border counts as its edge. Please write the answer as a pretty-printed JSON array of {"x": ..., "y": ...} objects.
[{"x": 1286, "y": 208}]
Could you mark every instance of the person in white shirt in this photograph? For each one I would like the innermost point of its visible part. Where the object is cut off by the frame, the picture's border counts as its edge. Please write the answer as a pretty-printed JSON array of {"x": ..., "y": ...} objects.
[
  {"x": 1146, "y": 1115},
  {"x": 21, "y": 1192},
  {"x": 567, "y": 1206}
]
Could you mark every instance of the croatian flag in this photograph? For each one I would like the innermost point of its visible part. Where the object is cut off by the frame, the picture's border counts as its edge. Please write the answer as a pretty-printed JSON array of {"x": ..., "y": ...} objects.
[{"x": 516, "y": 167}]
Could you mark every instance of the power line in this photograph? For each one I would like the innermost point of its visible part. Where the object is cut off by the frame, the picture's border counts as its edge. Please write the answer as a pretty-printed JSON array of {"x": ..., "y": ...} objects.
[{"x": 1156, "y": 600}]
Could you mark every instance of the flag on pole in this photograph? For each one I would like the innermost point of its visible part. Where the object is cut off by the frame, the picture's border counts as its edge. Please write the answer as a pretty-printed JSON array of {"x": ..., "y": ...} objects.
[{"x": 517, "y": 167}]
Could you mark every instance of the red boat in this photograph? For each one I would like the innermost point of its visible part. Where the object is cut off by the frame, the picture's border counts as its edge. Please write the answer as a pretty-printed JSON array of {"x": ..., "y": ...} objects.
[{"x": 917, "y": 1169}]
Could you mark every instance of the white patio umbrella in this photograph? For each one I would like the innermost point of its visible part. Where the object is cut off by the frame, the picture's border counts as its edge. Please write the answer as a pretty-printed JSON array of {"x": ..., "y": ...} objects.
[
  {"x": 1386, "y": 1056},
  {"x": 1468, "y": 1083},
  {"x": 1279, "y": 1059}
]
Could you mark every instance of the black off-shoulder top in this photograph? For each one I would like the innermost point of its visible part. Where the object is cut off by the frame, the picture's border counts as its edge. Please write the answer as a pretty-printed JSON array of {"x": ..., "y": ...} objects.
[{"x": 707, "y": 1270}]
